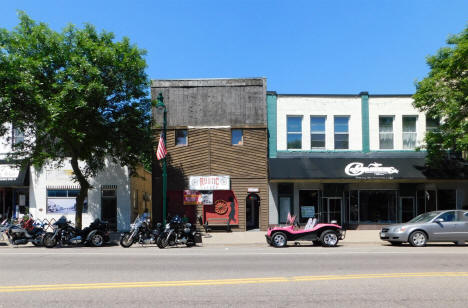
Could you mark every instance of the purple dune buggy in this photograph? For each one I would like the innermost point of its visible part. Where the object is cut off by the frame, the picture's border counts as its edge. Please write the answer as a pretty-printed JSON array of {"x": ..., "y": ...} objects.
[{"x": 325, "y": 234}]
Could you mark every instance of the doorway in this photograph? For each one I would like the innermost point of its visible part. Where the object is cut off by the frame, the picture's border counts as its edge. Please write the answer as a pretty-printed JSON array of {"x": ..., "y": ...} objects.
[
  {"x": 407, "y": 208},
  {"x": 252, "y": 211},
  {"x": 331, "y": 210},
  {"x": 109, "y": 207}
]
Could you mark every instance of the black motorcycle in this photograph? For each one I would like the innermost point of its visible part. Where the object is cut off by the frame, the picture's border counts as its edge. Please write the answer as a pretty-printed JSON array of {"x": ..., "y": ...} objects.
[
  {"x": 26, "y": 231},
  {"x": 65, "y": 234},
  {"x": 178, "y": 232},
  {"x": 141, "y": 232}
]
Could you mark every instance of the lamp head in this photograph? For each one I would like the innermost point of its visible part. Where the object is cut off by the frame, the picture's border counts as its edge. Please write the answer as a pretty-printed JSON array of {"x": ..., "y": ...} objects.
[{"x": 160, "y": 102}]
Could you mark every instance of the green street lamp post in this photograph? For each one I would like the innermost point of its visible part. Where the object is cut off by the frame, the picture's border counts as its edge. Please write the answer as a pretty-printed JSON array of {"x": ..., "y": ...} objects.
[{"x": 160, "y": 105}]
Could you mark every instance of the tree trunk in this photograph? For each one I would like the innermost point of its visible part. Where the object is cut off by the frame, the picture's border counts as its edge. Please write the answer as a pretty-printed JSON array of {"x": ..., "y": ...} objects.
[{"x": 84, "y": 186}]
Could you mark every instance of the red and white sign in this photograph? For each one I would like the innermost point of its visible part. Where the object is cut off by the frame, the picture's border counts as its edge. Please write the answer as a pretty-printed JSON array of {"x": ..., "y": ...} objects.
[{"x": 219, "y": 182}]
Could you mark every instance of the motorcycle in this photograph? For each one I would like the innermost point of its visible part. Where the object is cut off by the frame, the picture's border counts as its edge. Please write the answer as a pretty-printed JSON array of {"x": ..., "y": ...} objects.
[
  {"x": 26, "y": 231},
  {"x": 178, "y": 232},
  {"x": 141, "y": 232},
  {"x": 65, "y": 234}
]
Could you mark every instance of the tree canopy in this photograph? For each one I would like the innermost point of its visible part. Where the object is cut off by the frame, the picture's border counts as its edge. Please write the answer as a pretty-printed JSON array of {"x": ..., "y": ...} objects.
[
  {"x": 77, "y": 95},
  {"x": 443, "y": 95}
]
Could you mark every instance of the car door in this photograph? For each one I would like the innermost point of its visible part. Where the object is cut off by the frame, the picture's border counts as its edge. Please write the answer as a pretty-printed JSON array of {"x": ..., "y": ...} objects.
[
  {"x": 464, "y": 225},
  {"x": 448, "y": 228}
]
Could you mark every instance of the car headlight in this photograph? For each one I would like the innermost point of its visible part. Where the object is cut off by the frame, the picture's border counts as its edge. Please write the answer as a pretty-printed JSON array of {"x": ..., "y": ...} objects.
[{"x": 401, "y": 229}]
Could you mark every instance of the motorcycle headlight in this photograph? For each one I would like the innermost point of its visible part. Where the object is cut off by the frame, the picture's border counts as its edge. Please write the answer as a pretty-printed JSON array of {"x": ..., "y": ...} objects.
[{"x": 168, "y": 226}]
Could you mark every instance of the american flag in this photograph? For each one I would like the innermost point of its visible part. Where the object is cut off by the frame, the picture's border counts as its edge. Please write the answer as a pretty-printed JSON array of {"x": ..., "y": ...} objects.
[{"x": 161, "y": 152}]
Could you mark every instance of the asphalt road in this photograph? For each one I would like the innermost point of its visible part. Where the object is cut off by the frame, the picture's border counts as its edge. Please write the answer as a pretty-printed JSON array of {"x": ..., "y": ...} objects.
[{"x": 255, "y": 276}]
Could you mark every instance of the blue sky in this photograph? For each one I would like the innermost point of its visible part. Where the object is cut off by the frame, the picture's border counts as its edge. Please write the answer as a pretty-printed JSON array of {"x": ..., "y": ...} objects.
[{"x": 299, "y": 46}]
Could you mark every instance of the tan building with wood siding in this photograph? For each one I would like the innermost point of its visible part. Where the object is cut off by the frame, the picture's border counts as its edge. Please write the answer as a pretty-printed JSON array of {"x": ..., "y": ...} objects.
[
  {"x": 141, "y": 193},
  {"x": 216, "y": 129}
]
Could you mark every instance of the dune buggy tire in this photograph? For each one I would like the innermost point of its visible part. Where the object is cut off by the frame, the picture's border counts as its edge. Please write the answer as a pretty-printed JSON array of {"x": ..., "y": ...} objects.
[
  {"x": 329, "y": 238},
  {"x": 279, "y": 239}
]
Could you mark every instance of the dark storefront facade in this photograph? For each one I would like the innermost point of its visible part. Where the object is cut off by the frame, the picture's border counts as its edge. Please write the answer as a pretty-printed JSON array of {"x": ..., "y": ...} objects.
[
  {"x": 14, "y": 190},
  {"x": 362, "y": 190},
  {"x": 217, "y": 145}
]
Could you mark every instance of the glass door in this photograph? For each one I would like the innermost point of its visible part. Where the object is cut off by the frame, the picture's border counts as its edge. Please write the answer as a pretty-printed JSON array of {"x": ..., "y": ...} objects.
[
  {"x": 284, "y": 209},
  {"x": 332, "y": 210},
  {"x": 407, "y": 208}
]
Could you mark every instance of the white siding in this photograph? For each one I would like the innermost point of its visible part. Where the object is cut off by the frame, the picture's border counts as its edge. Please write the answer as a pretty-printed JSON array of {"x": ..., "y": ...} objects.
[
  {"x": 111, "y": 175},
  {"x": 396, "y": 107},
  {"x": 306, "y": 107}
]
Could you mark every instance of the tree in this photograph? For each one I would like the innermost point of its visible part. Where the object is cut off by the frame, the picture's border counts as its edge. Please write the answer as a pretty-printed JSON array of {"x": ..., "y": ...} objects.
[
  {"x": 443, "y": 95},
  {"x": 77, "y": 95}
]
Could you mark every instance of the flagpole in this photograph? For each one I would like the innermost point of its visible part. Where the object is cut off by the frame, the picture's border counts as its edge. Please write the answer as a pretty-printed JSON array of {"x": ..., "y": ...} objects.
[{"x": 160, "y": 104}]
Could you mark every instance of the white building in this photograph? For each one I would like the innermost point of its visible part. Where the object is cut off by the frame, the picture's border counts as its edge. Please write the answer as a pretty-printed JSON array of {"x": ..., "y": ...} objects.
[
  {"x": 353, "y": 158},
  {"x": 50, "y": 192}
]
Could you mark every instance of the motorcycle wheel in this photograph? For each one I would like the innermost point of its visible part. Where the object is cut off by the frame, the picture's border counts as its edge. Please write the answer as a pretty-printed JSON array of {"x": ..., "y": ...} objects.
[
  {"x": 49, "y": 241},
  {"x": 162, "y": 242},
  {"x": 39, "y": 242},
  {"x": 190, "y": 244},
  {"x": 97, "y": 240},
  {"x": 126, "y": 241}
]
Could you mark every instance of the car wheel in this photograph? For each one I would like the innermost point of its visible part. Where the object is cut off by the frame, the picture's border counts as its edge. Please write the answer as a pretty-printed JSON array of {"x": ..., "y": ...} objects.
[
  {"x": 417, "y": 239},
  {"x": 329, "y": 238},
  {"x": 279, "y": 239},
  {"x": 395, "y": 243}
]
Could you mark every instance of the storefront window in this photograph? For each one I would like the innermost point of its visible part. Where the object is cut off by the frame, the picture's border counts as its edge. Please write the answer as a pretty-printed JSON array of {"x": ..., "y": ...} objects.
[
  {"x": 294, "y": 132},
  {"x": 409, "y": 132},
  {"x": 377, "y": 206},
  {"x": 317, "y": 132},
  {"x": 447, "y": 199},
  {"x": 386, "y": 133},
  {"x": 63, "y": 201},
  {"x": 308, "y": 204},
  {"x": 285, "y": 194},
  {"x": 354, "y": 207}
]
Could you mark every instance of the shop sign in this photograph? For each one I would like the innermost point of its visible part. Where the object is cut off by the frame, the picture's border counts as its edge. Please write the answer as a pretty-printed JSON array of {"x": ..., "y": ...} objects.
[
  {"x": 221, "y": 182},
  {"x": 9, "y": 172},
  {"x": 206, "y": 197},
  {"x": 357, "y": 169},
  {"x": 307, "y": 211},
  {"x": 191, "y": 197}
]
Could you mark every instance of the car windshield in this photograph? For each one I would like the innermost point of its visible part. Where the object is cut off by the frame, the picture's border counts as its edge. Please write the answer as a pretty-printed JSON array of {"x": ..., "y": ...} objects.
[{"x": 426, "y": 217}]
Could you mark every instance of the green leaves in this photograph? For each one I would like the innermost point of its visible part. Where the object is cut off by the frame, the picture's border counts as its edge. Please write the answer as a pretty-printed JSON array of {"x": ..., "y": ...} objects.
[{"x": 443, "y": 94}]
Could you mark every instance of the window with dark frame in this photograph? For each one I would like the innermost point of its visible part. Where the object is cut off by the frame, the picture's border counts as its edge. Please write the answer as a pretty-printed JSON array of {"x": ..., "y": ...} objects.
[
  {"x": 317, "y": 132},
  {"x": 181, "y": 137},
  {"x": 294, "y": 132},
  {"x": 237, "y": 137},
  {"x": 341, "y": 130}
]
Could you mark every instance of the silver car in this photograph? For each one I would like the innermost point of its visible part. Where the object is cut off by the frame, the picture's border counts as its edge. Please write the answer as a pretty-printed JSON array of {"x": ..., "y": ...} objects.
[{"x": 437, "y": 226}]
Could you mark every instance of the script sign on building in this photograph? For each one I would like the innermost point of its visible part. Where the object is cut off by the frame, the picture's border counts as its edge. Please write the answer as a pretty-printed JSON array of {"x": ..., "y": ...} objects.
[{"x": 374, "y": 169}]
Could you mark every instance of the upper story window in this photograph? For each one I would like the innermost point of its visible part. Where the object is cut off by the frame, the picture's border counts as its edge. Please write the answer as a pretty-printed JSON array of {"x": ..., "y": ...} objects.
[
  {"x": 386, "y": 132},
  {"x": 294, "y": 139},
  {"x": 181, "y": 137},
  {"x": 317, "y": 132},
  {"x": 409, "y": 132},
  {"x": 431, "y": 124},
  {"x": 17, "y": 136},
  {"x": 237, "y": 137},
  {"x": 341, "y": 126}
]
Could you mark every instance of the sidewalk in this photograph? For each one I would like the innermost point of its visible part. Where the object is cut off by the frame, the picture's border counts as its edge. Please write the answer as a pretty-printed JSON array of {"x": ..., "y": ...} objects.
[{"x": 258, "y": 238}]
